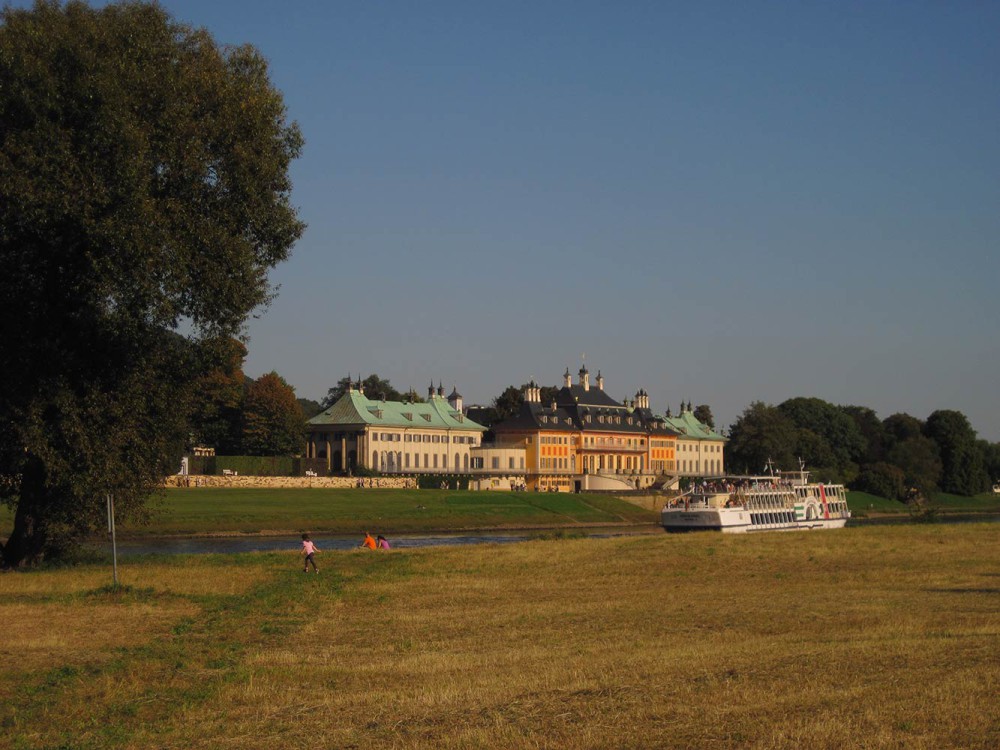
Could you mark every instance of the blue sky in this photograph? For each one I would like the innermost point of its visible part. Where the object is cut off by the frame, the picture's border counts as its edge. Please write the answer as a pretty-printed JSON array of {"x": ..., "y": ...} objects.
[{"x": 721, "y": 202}]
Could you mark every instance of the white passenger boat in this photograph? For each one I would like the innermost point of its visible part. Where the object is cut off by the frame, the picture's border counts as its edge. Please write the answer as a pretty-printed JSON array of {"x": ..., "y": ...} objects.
[{"x": 738, "y": 505}]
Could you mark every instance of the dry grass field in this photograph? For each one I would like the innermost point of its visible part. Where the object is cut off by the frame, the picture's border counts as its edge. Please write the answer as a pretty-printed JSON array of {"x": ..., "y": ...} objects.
[{"x": 868, "y": 638}]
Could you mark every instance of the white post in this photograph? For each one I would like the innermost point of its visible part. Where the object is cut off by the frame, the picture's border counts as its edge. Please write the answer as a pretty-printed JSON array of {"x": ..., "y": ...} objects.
[{"x": 114, "y": 544}]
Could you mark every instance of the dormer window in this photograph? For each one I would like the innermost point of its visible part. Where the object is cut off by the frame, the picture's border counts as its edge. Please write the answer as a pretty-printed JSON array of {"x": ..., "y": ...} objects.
[{"x": 427, "y": 417}]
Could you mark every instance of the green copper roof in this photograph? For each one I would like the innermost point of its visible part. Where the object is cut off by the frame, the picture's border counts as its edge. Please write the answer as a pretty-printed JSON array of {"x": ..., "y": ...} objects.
[
  {"x": 689, "y": 427},
  {"x": 354, "y": 408}
]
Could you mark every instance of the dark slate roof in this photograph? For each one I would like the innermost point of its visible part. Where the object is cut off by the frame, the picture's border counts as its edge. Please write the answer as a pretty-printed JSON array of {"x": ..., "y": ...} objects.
[
  {"x": 575, "y": 394},
  {"x": 534, "y": 416},
  {"x": 579, "y": 410},
  {"x": 656, "y": 425}
]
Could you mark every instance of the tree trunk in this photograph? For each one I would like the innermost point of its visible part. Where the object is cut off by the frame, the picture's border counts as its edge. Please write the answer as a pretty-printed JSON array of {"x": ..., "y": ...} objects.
[
  {"x": 27, "y": 541},
  {"x": 26, "y": 544}
]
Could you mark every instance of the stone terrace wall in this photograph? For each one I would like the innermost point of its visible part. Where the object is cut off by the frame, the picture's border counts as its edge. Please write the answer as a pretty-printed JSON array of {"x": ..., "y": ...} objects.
[{"x": 248, "y": 482}]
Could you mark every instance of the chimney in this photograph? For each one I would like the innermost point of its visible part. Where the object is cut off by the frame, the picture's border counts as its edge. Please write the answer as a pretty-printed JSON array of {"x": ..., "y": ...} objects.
[
  {"x": 531, "y": 393},
  {"x": 585, "y": 378},
  {"x": 567, "y": 378},
  {"x": 600, "y": 381}
]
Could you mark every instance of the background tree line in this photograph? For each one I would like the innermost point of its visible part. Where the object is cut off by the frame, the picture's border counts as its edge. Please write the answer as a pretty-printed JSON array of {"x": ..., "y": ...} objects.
[
  {"x": 850, "y": 444},
  {"x": 238, "y": 415}
]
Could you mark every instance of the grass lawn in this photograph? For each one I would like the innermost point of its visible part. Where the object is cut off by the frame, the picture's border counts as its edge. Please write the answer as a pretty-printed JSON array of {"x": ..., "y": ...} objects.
[
  {"x": 861, "y": 504},
  {"x": 862, "y": 637},
  {"x": 207, "y": 511}
]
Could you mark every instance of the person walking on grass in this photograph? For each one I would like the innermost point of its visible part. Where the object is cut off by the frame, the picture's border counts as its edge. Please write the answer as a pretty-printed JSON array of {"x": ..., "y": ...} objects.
[{"x": 309, "y": 551}]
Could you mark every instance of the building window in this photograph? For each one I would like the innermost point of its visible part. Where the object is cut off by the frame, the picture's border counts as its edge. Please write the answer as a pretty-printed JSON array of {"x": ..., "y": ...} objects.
[{"x": 496, "y": 462}]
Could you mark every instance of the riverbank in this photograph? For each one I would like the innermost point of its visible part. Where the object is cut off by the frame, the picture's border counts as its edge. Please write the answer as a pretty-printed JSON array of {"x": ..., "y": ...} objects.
[
  {"x": 877, "y": 637},
  {"x": 243, "y": 512}
]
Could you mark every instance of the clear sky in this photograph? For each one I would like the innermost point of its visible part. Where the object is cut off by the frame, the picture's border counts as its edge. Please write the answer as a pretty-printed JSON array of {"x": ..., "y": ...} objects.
[{"x": 717, "y": 202}]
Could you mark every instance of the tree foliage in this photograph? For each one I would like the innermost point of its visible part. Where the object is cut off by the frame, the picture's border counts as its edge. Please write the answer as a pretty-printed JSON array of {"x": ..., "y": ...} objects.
[
  {"x": 871, "y": 429},
  {"x": 884, "y": 480},
  {"x": 143, "y": 184},
  {"x": 273, "y": 423},
  {"x": 703, "y": 413},
  {"x": 963, "y": 469},
  {"x": 218, "y": 400},
  {"x": 919, "y": 459},
  {"x": 828, "y": 439},
  {"x": 761, "y": 433},
  {"x": 508, "y": 403},
  {"x": 309, "y": 407},
  {"x": 375, "y": 388},
  {"x": 900, "y": 427}
]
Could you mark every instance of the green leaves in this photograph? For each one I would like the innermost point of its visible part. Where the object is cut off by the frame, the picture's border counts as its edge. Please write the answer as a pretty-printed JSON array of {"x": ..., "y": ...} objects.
[{"x": 143, "y": 183}]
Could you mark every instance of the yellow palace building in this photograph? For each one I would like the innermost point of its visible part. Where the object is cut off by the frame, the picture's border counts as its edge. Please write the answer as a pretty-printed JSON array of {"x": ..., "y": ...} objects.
[{"x": 585, "y": 440}]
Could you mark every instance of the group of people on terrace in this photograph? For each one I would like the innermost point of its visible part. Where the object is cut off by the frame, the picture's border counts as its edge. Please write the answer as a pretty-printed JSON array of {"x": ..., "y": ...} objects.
[{"x": 740, "y": 485}]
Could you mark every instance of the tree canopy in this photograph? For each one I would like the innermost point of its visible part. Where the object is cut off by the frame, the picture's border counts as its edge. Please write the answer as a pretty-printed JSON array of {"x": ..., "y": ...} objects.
[
  {"x": 144, "y": 191},
  {"x": 375, "y": 388},
  {"x": 963, "y": 468},
  {"x": 273, "y": 423},
  {"x": 703, "y": 413}
]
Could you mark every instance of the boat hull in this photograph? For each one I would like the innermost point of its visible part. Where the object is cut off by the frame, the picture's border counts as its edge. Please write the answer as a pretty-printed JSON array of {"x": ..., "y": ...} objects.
[{"x": 737, "y": 521}]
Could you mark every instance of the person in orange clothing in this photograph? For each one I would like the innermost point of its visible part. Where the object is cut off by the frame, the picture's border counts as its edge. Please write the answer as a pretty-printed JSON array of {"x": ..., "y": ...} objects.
[{"x": 369, "y": 541}]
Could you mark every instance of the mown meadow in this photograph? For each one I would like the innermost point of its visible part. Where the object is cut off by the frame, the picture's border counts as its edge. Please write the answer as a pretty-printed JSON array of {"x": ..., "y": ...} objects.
[{"x": 863, "y": 637}]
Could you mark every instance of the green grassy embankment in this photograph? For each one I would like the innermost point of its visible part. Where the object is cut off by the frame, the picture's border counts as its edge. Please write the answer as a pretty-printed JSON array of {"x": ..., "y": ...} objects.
[
  {"x": 227, "y": 511},
  {"x": 862, "y": 504}
]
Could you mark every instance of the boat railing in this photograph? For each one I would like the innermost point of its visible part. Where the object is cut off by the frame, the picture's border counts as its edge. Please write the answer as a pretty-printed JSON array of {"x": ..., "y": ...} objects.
[{"x": 698, "y": 499}]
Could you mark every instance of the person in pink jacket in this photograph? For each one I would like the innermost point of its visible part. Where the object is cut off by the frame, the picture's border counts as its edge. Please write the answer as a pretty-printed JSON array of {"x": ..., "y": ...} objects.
[{"x": 309, "y": 551}]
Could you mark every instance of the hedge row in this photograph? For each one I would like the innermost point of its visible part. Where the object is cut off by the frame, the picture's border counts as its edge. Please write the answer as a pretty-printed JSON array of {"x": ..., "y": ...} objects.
[{"x": 257, "y": 466}]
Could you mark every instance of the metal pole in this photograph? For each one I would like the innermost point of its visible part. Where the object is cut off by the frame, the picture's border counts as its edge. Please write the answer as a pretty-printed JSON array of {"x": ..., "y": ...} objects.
[{"x": 114, "y": 544}]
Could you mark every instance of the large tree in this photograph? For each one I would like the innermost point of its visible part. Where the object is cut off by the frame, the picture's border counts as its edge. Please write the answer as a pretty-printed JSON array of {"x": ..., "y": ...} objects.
[
  {"x": 703, "y": 413},
  {"x": 762, "y": 433},
  {"x": 273, "y": 423},
  {"x": 144, "y": 191},
  {"x": 829, "y": 440},
  {"x": 872, "y": 429},
  {"x": 963, "y": 463},
  {"x": 920, "y": 461},
  {"x": 217, "y": 409},
  {"x": 508, "y": 403}
]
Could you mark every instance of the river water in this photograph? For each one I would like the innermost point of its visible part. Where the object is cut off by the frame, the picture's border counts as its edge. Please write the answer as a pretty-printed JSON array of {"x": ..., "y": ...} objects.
[
  {"x": 226, "y": 545},
  {"x": 223, "y": 545}
]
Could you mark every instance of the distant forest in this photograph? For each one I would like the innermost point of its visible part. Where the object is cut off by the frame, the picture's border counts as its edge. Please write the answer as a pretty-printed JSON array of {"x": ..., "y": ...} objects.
[{"x": 892, "y": 457}]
